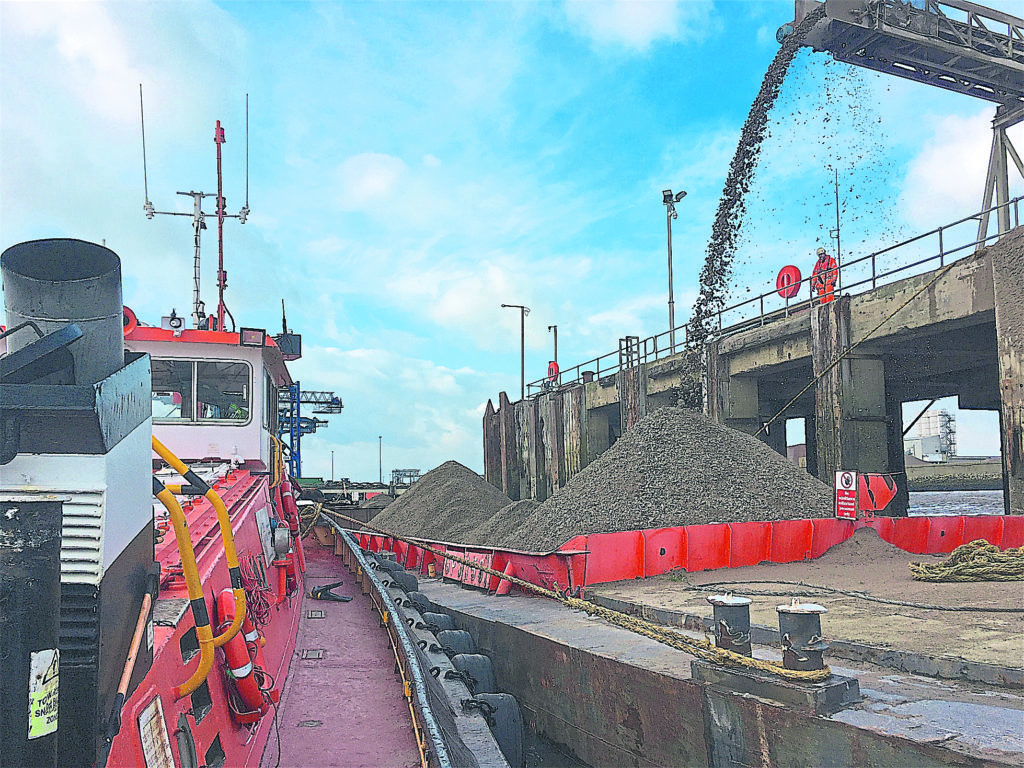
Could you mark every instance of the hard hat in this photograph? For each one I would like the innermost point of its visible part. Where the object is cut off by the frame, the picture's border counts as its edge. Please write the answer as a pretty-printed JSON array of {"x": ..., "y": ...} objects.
[{"x": 821, "y": 251}]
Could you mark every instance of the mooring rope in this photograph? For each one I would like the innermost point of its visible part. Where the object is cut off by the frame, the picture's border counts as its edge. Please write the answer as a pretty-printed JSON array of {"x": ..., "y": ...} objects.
[
  {"x": 702, "y": 648},
  {"x": 975, "y": 561}
]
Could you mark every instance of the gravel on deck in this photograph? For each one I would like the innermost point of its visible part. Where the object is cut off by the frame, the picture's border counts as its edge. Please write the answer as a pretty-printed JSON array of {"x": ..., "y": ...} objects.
[
  {"x": 445, "y": 504},
  {"x": 674, "y": 467}
]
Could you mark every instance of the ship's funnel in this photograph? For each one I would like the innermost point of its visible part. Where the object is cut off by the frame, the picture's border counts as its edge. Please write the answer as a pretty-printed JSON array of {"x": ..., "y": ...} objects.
[{"x": 60, "y": 281}]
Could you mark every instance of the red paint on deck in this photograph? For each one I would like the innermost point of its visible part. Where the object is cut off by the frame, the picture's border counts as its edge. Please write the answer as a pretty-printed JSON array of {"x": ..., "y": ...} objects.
[{"x": 346, "y": 709}]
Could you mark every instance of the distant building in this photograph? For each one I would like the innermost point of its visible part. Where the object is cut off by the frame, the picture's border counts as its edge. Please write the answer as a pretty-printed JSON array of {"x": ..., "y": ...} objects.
[
  {"x": 934, "y": 438},
  {"x": 797, "y": 454}
]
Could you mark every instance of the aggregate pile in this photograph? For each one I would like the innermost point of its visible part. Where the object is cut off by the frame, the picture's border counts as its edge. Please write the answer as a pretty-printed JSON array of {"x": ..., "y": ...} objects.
[
  {"x": 673, "y": 468},
  {"x": 445, "y": 504},
  {"x": 379, "y": 501}
]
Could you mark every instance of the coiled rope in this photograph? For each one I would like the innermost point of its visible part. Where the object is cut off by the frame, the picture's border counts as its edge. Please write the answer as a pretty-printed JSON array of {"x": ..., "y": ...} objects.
[
  {"x": 702, "y": 648},
  {"x": 975, "y": 561}
]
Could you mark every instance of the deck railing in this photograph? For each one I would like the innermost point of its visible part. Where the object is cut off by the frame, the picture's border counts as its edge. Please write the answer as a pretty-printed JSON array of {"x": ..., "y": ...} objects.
[{"x": 921, "y": 253}]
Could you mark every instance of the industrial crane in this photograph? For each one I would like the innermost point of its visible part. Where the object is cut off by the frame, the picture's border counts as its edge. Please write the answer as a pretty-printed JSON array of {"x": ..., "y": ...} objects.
[{"x": 292, "y": 425}]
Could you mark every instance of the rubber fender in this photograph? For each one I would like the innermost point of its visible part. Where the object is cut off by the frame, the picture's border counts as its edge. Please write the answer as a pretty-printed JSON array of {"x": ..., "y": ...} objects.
[
  {"x": 478, "y": 667},
  {"x": 420, "y": 602},
  {"x": 385, "y": 555},
  {"x": 507, "y": 726},
  {"x": 404, "y": 581},
  {"x": 458, "y": 640},
  {"x": 390, "y": 566},
  {"x": 439, "y": 620}
]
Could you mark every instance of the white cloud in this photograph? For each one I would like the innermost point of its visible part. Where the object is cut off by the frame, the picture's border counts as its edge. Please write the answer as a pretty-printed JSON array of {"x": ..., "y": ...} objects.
[
  {"x": 945, "y": 181},
  {"x": 636, "y": 24},
  {"x": 368, "y": 180}
]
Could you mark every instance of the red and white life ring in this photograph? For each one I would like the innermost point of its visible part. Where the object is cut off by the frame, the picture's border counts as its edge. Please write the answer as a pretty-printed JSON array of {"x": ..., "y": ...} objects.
[
  {"x": 240, "y": 663},
  {"x": 129, "y": 320}
]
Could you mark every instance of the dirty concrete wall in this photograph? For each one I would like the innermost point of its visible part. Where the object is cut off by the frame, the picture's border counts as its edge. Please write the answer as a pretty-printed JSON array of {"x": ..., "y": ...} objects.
[
  {"x": 610, "y": 712},
  {"x": 1008, "y": 276}
]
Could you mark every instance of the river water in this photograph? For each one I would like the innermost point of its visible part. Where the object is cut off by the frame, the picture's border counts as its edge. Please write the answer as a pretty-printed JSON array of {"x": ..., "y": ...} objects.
[{"x": 956, "y": 503}]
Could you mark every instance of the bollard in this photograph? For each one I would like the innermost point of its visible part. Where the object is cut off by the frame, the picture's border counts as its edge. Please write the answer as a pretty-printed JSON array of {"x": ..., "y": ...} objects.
[
  {"x": 732, "y": 622},
  {"x": 800, "y": 628}
]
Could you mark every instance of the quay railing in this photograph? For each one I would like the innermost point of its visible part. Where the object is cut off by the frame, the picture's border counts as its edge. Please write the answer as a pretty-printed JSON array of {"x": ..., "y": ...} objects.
[{"x": 918, "y": 254}]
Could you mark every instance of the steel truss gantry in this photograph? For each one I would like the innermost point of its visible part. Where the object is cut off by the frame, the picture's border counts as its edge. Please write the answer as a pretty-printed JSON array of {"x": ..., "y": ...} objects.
[{"x": 952, "y": 44}]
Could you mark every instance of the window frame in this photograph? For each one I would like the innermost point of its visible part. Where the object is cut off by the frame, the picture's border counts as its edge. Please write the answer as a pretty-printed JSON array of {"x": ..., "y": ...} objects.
[{"x": 192, "y": 421}]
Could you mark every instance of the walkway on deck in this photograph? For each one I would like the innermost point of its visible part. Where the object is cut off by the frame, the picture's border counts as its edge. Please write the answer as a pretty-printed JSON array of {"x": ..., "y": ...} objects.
[{"x": 345, "y": 709}]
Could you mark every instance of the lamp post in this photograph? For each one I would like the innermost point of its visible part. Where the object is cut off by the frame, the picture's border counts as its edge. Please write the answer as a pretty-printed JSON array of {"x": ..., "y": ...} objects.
[
  {"x": 523, "y": 312},
  {"x": 380, "y": 458},
  {"x": 669, "y": 202},
  {"x": 332, "y": 466}
]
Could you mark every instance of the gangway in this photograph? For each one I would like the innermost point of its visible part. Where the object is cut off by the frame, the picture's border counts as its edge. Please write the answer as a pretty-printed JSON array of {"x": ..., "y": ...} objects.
[{"x": 951, "y": 44}]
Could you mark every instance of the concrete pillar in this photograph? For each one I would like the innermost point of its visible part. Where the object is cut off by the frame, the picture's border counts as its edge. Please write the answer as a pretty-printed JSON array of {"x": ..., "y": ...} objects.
[
  {"x": 574, "y": 431},
  {"x": 492, "y": 447},
  {"x": 811, "y": 444},
  {"x": 1007, "y": 268},
  {"x": 598, "y": 431},
  {"x": 510, "y": 464},
  {"x": 850, "y": 406},
  {"x": 897, "y": 458},
  {"x": 775, "y": 435}
]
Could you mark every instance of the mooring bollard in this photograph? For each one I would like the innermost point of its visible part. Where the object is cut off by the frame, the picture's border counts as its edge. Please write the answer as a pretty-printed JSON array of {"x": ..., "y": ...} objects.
[
  {"x": 732, "y": 622},
  {"x": 800, "y": 628}
]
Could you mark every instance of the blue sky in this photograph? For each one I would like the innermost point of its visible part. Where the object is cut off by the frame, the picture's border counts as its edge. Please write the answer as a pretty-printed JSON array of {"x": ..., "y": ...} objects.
[{"x": 413, "y": 165}]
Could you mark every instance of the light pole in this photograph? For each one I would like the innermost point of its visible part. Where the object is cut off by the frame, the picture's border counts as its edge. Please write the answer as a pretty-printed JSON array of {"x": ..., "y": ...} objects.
[
  {"x": 380, "y": 458},
  {"x": 332, "y": 466},
  {"x": 670, "y": 213},
  {"x": 523, "y": 312}
]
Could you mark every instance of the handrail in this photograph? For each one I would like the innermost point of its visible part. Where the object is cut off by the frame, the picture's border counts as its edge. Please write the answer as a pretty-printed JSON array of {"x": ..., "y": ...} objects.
[
  {"x": 276, "y": 461},
  {"x": 196, "y": 599},
  {"x": 200, "y": 488},
  {"x": 657, "y": 347}
]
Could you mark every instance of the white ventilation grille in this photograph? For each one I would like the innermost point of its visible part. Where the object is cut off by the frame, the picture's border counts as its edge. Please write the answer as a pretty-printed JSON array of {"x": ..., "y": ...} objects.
[{"x": 81, "y": 543}]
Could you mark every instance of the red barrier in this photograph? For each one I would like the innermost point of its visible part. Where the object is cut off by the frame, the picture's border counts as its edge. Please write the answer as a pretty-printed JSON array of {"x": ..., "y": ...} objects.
[
  {"x": 664, "y": 550},
  {"x": 751, "y": 543},
  {"x": 707, "y": 547},
  {"x": 827, "y": 532},
  {"x": 987, "y": 527},
  {"x": 791, "y": 540}
]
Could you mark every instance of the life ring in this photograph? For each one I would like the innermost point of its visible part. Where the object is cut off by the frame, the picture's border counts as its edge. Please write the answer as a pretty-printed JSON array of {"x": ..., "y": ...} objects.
[
  {"x": 552, "y": 370},
  {"x": 129, "y": 321},
  {"x": 239, "y": 662}
]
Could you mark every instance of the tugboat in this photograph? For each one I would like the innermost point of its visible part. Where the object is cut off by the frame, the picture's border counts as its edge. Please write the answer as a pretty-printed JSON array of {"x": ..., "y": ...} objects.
[{"x": 156, "y": 599}]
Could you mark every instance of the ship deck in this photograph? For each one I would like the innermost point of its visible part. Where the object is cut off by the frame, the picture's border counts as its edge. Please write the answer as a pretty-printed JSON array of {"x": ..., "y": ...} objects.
[
  {"x": 345, "y": 708},
  {"x": 863, "y": 563}
]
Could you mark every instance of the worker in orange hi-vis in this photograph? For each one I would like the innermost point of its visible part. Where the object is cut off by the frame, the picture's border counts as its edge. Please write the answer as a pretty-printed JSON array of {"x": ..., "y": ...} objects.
[{"x": 824, "y": 277}]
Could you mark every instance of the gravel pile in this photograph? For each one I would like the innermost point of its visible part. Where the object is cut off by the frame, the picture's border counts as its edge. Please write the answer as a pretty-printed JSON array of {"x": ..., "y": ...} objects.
[
  {"x": 379, "y": 501},
  {"x": 445, "y": 504},
  {"x": 673, "y": 468},
  {"x": 714, "y": 277}
]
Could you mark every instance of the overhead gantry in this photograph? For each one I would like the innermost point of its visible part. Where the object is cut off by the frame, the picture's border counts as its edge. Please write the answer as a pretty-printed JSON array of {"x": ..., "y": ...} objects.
[{"x": 952, "y": 44}]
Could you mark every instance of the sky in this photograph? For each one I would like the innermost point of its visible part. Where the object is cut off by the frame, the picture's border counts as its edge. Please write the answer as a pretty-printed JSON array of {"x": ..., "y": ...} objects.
[{"x": 414, "y": 165}]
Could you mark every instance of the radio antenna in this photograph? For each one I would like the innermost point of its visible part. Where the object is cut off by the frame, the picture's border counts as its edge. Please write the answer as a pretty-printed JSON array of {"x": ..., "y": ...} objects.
[
  {"x": 198, "y": 216},
  {"x": 246, "y": 152},
  {"x": 148, "y": 207}
]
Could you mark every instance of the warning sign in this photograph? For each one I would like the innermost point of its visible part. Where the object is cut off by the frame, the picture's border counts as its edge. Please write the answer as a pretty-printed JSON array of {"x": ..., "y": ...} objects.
[
  {"x": 43, "y": 684},
  {"x": 846, "y": 494}
]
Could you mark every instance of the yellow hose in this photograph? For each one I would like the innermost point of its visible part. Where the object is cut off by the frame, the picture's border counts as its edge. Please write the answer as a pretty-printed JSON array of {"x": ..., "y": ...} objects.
[
  {"x": 226, "y": 535},
  {"x": 197, "y": 601}
]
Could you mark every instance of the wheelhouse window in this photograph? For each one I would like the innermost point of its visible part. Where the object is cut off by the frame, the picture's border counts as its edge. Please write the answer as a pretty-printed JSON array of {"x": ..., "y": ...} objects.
[
  {"x": 223, "y": 391},
  {"x": 200, "y": 391},
  {"x": 172, "y": 389},
  {"x": 270, "y": 403}
]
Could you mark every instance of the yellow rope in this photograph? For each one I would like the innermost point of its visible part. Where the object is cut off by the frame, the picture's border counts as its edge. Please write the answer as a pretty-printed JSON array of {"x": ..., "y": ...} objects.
[
  {"x": 701, "y": 648},
  {"x": 976, "y": 561}
]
